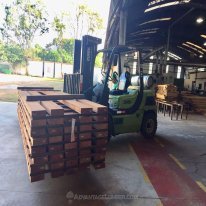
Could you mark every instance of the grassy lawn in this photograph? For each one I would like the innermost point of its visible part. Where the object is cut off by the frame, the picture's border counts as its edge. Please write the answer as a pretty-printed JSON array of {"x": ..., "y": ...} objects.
[
  {"x": 9, "y": 83},
  {"x": 8, "y": 95}
]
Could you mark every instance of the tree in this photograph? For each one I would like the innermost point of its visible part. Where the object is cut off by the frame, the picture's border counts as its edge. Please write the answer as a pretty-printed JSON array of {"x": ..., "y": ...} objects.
[
  {"x": 23, "y": 21},
  {"x": 12, "y": 53},
  {"x": 59, "y": 27},
  {"x": 98, "y": 60},
  {"x": 3, "y": 55},
  {"x": 26, "y": 19},
  {"x": 86, "y": 21},
  {"x": 81, "y": 12},
  {"x": 95, "y": 23},
  {"x": 62, "y": 54},
  {"x": 38, "y": 52},
  {"x": 68, "y": 46}
]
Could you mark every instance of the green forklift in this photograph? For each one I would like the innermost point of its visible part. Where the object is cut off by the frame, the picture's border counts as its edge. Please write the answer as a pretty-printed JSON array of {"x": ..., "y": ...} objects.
[{"x": 131, "y": 104}]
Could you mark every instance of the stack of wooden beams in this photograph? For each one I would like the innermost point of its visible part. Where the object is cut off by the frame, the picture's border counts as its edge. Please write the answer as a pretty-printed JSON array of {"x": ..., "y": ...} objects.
[
  {"x": 167, "y": 92},
  {"x": 61, "y": 133},
  {"x": 197, "y": 102}
]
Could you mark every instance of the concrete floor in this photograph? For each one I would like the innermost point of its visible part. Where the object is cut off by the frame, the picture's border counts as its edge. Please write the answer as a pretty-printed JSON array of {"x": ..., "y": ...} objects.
[
  {"x": 123, "y": 175},
  {"x": 187, "y": 141}
]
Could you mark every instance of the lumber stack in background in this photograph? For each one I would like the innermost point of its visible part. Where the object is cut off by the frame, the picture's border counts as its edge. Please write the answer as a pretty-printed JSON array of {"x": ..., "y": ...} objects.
[
  {"x": 62, "y": 136},
  {"x": 167, "y": 92},
  {"x": 198, "y": 103}
]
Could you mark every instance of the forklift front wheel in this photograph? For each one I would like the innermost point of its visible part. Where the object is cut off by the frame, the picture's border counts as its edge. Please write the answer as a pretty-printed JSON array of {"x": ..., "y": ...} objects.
[{"x": 149, "y": 125}]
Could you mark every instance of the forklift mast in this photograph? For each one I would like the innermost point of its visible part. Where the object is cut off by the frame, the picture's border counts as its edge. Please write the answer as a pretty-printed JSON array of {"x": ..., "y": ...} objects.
[
  {"x": 81, "y": 80},
  {"x": 89, "y": 51}
]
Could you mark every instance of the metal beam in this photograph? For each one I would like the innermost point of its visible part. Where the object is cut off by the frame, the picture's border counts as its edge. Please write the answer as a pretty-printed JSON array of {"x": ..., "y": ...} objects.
[
  {"x": 123, "y": 27},
  {"x": 153, "y": 52},
  {"x": 186, "y": 64},
  {"x": 77, "y": 56},
  {"x": 197, "y": 5},
  {"x": 169, "y": 33},
  {"x": 113, "y": 21}
]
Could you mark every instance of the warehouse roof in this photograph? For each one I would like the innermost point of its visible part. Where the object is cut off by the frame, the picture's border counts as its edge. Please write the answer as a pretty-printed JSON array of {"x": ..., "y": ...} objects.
[{"x": 149, "y": 23}]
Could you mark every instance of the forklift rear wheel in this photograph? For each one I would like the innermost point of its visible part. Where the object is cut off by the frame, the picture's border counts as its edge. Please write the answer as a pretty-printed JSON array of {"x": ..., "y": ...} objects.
[{"x": 149, "y": 125}]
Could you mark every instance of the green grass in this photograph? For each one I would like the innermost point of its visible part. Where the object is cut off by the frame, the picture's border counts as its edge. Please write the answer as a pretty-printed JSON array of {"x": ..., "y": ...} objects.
[{"x": 10, "y": 95}]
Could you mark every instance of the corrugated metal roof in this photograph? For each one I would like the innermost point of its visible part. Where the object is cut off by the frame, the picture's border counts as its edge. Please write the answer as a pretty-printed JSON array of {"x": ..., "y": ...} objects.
[{"x": 149, "y": 22}]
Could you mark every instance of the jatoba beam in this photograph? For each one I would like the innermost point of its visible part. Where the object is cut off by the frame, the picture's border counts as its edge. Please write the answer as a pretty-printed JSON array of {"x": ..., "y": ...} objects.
[
  {"x": 35, "y": 88},
  {"x": 78, "y": 106},
  {"x": 98, "y": 108},
  {"x": 35, "y": 109},
  {"x": 61, "y": 136},
  {"x": 54, "y": 97},
  {"x": 52, "y": 108}
]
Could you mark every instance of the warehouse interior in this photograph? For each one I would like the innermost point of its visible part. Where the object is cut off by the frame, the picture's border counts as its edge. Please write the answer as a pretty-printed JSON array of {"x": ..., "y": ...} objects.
[
  {"x": 168, "y": 169},
  {"x": 169, "y": 34}
]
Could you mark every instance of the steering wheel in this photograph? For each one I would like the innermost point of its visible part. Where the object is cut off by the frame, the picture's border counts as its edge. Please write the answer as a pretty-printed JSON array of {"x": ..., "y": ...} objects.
[{"x": 114, "y": 78}]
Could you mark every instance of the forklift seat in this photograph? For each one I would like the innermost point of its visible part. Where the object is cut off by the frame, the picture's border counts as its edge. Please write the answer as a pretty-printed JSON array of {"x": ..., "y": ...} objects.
[
  {"x": 127, "y": 99},
  {"x": 134, "y": 84},
  {"x": 124, "y": 83}
]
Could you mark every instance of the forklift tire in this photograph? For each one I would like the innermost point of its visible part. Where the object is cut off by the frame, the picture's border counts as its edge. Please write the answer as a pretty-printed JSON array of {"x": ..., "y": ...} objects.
[{"x": 149, "y": 125}]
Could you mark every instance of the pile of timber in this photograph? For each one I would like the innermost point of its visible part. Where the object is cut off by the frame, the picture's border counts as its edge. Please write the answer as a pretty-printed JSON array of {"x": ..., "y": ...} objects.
[
  {"x": 198, "y": 103},
  {"x": 167, "y": 92},
  {"x": 61, "y": 133}
]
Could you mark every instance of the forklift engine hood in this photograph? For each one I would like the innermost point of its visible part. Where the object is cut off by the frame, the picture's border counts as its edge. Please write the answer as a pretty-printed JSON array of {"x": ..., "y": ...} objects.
[{"x": 124, "y": 101}]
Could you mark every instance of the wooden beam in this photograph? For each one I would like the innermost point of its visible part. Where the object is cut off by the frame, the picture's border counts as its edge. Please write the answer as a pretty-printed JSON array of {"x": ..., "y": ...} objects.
[
  {"x": 98, "y": 108},
  {"x": 78, "y": 106},
  {"x": 35, "y": 88},
  {"x": 54, "y": 97},
  {"x": 34, "y": 109},
  {"x": 52, "y": 108}
]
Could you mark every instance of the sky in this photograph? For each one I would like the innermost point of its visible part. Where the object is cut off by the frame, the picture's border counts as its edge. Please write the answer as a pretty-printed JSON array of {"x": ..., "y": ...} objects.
[
  {"x": 63, "y": 5},
  {"x": 55, "y": 7}
]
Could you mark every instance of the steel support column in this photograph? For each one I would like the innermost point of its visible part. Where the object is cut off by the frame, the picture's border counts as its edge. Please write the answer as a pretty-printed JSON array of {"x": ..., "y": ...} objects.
[
  {"x": 123, "y": 27},
  {"x": 169, "y": 34}
]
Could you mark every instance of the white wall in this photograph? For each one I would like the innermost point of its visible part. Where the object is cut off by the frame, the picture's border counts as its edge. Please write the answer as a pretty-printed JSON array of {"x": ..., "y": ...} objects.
[
  {"x": 58, "y": 70},
  {"x": 201, "y": 79},
  {"x": 35, "y": 68}
]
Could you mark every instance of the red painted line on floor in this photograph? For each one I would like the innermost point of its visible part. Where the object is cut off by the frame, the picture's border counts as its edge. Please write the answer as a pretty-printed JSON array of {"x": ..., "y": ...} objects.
[{"x": 171, "y": 183}]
